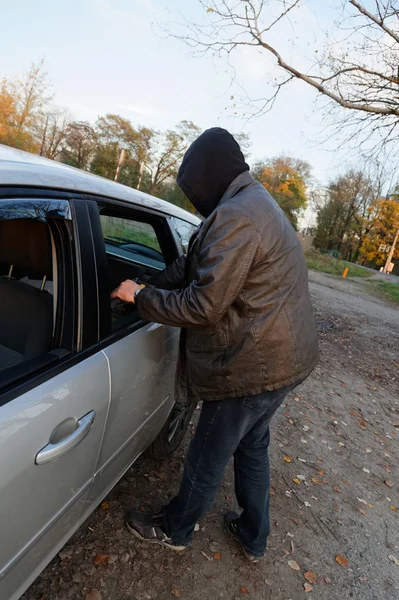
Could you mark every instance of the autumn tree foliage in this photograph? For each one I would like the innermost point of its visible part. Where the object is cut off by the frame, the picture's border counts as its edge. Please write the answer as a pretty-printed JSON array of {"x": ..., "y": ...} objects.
[
  {"x": 381, "y": 226},
  {"x": 22, "y": 105},
  {"x": 287, "y": 180}
]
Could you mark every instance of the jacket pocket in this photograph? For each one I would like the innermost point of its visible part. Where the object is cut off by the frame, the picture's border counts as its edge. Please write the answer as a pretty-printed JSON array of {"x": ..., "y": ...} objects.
[{"x": 206, "y": 340}]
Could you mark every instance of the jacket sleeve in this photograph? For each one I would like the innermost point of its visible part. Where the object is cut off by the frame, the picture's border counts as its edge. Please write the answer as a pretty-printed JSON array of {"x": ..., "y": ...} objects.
[
  {"x": 171, "y": 278},
  {"x": 226, "y": 255}
]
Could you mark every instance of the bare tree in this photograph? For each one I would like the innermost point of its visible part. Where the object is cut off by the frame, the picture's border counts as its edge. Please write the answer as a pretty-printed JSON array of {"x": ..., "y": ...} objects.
[
  {"x": 168, "y": 149},
  {"x": 357, "y": 72},
  {"x": 53, "y": 131}
]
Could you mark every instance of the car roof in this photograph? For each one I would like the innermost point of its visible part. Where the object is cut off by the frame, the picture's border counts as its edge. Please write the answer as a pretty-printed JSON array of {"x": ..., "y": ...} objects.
[{"x": 19, "y": 168}]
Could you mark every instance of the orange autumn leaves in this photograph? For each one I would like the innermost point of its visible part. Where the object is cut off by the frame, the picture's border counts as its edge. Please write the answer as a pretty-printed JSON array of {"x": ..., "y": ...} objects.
[{"x": 286, "y": 179}]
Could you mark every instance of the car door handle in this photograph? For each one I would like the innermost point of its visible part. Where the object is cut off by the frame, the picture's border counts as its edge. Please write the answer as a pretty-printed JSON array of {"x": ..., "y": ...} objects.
[{"x": 54, "y": 451}]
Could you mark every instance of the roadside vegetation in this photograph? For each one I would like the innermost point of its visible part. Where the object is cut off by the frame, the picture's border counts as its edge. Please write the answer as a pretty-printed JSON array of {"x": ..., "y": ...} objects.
[
  {"x": 317, "y": 261},
  {"x": 391, "y": 290}
]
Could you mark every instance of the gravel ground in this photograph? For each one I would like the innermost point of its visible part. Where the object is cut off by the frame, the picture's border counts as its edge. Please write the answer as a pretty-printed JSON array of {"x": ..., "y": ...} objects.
[{"x": 335, "y": 500}]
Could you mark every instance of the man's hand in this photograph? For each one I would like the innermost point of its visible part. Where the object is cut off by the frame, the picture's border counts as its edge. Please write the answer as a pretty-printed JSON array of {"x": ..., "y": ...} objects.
[{"x": 126, "y": 291}]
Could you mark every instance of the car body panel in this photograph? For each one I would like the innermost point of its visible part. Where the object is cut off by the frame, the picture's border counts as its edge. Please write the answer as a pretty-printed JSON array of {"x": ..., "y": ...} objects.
[
  {"x": 142, "y": 367},
  {"x": 33, "y": 498}
]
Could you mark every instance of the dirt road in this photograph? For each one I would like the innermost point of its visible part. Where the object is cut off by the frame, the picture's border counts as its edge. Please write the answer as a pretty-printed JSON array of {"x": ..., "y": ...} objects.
[{"x": 335, "y": 503}]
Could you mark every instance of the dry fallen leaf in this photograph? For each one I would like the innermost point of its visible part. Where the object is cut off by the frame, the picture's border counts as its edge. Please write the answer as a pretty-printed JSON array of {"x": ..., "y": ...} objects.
[
  {"x": 307, "y": 587},
  {"x": 296, "y": 480},
  {"x": 272, "y": 492},
  {"x": 93, "y": 595},
  {"x": 176, "y": 591},
  {"x": 244, "y": 590},
  {"x": 321, "y": 472},
  {"x": 341, "y": 560},
  {"x": 362, "y": 511},
  {"x": 315, "y": 480},
  {"x": 217, "y": 556},
  {"x": 101, "y": 560},
  {"x": 337, "y": 489},
  {"x": 287, "y": 459},
  {"x": 294, "y": 565},
  {"x": 394, "y": 559},
  {"x": 392, "y": 507},
  {"x": 104, "y": 505},
  {"x": 310, "y": 576},
  {"x": 327, "y": 580},
  {"x": 388, "y": 483}
]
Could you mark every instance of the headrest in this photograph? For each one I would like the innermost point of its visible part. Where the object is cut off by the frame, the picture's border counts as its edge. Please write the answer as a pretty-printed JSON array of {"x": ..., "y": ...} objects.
[{"x": 25, "y": 243}]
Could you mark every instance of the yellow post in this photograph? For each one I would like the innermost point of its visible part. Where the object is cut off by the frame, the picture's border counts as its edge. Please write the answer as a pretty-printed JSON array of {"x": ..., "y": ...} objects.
[{"x": 344, "y": 274}]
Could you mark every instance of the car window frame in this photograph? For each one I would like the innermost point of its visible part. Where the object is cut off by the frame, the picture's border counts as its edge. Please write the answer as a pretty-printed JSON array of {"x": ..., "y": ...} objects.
[{"x": 169, "y": 246}]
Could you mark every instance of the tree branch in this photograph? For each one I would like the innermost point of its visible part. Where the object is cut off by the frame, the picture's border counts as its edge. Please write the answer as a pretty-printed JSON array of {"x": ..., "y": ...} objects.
[{"x": 380, "y": 22}]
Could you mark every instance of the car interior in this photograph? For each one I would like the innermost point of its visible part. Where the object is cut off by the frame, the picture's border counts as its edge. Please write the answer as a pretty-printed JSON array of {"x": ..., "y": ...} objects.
[
  {"x": 26, "y": 293},
  {"x": 132, "y": 252}
]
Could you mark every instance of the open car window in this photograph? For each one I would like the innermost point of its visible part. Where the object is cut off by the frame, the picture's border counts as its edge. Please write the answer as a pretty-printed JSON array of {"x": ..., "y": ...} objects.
[
  {"x": 132, "y": 240},
  {"x": 135, "y": 247}
]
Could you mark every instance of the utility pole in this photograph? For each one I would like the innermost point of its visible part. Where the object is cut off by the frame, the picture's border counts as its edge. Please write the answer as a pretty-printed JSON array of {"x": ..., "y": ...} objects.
[
  {"x": 390, "y": 255},
  {"x": 118, "y": 168},
  {"x": 140, "y": 174}
]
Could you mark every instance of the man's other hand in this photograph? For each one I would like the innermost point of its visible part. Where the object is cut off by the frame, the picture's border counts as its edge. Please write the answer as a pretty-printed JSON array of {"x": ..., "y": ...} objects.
[{"x": 126, "y": 291}]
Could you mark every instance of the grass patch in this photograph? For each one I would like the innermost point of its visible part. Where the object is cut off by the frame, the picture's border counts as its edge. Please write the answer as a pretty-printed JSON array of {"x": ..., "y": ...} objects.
[
  {"x": 391, "y": 290},
  {"x": 333, "y": 266}
]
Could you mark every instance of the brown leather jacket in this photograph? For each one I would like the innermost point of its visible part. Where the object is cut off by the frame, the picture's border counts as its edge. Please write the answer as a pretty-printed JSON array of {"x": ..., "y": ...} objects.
[{"x": 244, "y": 306}]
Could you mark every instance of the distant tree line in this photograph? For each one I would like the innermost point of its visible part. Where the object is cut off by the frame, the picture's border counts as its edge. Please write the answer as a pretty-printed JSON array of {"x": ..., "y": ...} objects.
[
  {"x": 355, "y": 221},
  {"x": 29, "y": 121}
]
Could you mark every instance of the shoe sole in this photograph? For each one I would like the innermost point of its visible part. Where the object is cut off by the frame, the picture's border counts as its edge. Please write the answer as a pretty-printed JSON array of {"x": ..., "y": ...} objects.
[
  {"x": 248, "y": 556},
  {"x": 155, "y": 541}
]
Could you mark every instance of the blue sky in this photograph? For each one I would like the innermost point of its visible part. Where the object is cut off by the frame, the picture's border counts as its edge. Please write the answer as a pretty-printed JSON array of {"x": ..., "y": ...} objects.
[{"x": 112, "y": 56}]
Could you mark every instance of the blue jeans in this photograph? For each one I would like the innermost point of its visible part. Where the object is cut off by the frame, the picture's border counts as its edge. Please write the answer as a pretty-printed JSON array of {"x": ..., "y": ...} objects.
[{"x": 238, "y": 427}]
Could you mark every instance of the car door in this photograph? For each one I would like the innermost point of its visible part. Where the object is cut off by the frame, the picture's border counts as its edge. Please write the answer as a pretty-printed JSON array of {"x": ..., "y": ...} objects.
[
  {"x": 141, "y": 356},
  {"x": 53, "y": 408}
]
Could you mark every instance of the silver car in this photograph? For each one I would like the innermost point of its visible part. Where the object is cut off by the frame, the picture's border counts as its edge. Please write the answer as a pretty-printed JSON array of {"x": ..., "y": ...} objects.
[{"x": 85, "y": 386}]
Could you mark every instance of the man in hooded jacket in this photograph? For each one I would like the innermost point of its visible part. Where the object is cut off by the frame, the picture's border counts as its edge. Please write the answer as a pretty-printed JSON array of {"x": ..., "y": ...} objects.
[{"x": 248, "y": 337}]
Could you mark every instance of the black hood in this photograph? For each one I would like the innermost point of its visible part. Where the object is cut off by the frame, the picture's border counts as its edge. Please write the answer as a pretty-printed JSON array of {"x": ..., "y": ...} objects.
[{"x": 210, "y": 164}]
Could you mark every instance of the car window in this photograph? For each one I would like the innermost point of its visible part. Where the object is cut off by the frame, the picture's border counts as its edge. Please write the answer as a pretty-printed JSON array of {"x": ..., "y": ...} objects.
[
  {"x": 133, "y": 251},
  {"x": 184, "y": 230},
  {"x": 132, "y": 240},
  {"x": 31, "y": 310}
]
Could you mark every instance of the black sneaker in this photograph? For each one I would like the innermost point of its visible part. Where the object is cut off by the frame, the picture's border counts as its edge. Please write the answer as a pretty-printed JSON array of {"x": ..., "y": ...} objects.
[
  {"x": 231, "y": 522},
  {"x": 146, "y": 528},
  {"x": 147, "y": 518}
]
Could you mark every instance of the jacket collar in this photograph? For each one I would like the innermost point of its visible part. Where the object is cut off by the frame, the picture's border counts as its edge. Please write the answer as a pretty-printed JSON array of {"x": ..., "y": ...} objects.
[{"x": 244, "y": 179}]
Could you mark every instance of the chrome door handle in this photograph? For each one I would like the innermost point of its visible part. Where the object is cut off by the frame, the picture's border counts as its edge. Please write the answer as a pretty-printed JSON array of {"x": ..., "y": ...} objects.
[{"x": 54, "y": 451}]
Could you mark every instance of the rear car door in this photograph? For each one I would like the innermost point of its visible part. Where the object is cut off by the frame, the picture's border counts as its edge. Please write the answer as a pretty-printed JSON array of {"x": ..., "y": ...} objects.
[
  {"x": 135, "y": 243},
  {"x": 54, "y": 383}
]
